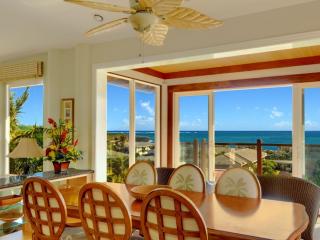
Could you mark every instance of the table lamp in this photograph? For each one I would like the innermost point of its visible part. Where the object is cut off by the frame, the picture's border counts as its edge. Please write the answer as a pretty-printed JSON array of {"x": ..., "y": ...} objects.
[{"x": 26, "y": 148}]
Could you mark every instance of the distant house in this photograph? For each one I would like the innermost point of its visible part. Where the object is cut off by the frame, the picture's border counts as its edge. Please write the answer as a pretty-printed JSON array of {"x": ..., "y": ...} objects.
[
  {"x": 237, "y": 158},
  {"x": 144, "y": 148}
]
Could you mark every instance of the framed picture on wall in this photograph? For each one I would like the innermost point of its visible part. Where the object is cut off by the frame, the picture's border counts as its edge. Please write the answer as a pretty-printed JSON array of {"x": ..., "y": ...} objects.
[{"x": 67, "y": 110}]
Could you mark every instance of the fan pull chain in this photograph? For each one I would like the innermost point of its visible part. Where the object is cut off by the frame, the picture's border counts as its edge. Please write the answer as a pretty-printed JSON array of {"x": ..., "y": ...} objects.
[{"x": 142, "y": 49}]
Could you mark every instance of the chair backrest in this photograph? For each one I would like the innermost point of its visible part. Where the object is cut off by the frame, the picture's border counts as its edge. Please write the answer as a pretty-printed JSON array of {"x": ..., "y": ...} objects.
[
  {"x": 238, "y": 182},
  {"x": 103, "y": 214},
  {"x": 141, "y": 173},
  {"x": 45, "y": 208},
  {"x": 188, "y": 177},
  {"x": 297, "y": 190},
  {"x": 168, "y": 214}
]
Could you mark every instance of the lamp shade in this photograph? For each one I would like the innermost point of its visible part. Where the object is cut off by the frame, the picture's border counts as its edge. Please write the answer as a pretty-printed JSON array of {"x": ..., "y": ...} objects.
[{"x": 27, "y": 148}]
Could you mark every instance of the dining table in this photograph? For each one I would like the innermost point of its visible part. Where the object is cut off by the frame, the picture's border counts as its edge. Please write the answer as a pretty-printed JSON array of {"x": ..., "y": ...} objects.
[{"x": 228, "y": 217}]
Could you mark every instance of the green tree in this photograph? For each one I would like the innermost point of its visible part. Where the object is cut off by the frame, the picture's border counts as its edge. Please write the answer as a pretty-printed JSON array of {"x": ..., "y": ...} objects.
[
  {"x": 17, "y": 131},
  {"x": 15, "y": 109}
]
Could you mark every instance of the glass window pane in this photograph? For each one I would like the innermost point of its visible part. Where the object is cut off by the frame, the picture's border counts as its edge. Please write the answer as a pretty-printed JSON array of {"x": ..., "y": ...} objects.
[
  {"x": 244, "y": 116},
  {"x": 312, "y": 134},
  {"x": 145, "y": 122},
  {"x": 193, "y": 135},
  {"x": 118, "y": 96},
  {"x": 26, "y": 119}
]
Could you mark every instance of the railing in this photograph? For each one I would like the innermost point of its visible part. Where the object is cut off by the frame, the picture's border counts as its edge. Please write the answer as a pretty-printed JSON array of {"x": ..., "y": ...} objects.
[
  {"x": 279, "y": 156},
  {"x": 264, "y": 158}
]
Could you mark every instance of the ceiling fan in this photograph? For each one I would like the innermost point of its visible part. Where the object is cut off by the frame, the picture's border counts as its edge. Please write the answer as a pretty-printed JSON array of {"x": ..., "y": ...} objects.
[{"x": 151, "y": 18}]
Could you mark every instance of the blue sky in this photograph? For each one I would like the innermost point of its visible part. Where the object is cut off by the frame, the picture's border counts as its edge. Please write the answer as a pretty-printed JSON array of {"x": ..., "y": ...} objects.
[
  {"x": 32, "y": 111},
  {"x": 118, "y": 109},
  {"x": 256, "y": 109}
]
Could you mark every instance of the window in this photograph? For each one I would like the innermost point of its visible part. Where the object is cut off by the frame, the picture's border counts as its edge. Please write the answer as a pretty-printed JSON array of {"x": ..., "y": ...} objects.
[
  {"x": 312, "y": 134},
  {"x": 133, "y": 122},
  {"x": 26, "y": 120},
  {"x": 117, "y": 129},
  {"x": 223, "y": 127},
  {"x": 244, "y": 116},
  {"x": 194, "y": 131},
  {"x": 146, "y": 98}
]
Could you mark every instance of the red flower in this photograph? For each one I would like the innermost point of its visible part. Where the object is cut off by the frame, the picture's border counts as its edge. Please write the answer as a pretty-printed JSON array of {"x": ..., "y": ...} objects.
[
  {"x": 75, "y": 143},
  {"x": 47, "y": 151},
  {"x": 63, "y": 136},
  {"x": 64, "y": 150},
  {"x": 52, "y": 122}
]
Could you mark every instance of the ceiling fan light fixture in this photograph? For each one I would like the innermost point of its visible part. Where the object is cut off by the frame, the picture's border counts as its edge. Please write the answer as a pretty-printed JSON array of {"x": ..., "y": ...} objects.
[{"x": 143, "y": 21}]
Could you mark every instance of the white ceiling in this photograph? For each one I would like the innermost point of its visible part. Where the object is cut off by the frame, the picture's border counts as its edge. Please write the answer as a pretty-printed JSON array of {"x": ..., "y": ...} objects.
[{"x": 35, "y": 26}]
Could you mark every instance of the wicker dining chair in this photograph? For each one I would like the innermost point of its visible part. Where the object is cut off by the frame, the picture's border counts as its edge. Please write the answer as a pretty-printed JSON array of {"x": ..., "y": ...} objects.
[
  {"x": 238, "y": 182},
  {"x": 141, "y": 173},
  {"x": 297, "y": 190},
  {"x": 168, "y": 214},
  {"x": 46, "y": 211},
  {"x": 103, "y": 214},
  {"x": 188, "y": 177}
]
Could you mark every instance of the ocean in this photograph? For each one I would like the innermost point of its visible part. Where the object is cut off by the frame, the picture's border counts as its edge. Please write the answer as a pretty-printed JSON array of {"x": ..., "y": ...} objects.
[{"x": 276, "y": 137}]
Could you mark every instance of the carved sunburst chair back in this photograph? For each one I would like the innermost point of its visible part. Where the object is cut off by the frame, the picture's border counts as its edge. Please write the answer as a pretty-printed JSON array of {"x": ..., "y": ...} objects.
[
  {"x": 141, "y": 173},
  {"x": 239, "y": 182},
  {"x": 188, "y": 177},
  {"x": 45, "y": 208},
  {"x": 167, "y": 214},
  {"x": 103, "y": 214}
]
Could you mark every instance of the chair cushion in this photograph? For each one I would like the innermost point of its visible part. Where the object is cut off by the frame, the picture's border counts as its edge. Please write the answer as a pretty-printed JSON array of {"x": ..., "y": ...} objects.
[
  {"x": 238, "y": 182},
  {"x": 141, "y": 173},
  {"x": 73, "y": 233},
  {"x": 189, "y": 178}
]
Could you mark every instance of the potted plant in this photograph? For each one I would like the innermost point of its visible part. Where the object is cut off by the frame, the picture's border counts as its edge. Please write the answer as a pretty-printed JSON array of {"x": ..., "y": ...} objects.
[{"x": 62, "y": 148}]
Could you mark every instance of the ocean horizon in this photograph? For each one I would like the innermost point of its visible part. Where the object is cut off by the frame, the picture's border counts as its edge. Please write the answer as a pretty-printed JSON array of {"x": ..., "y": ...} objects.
[{"x": 269, "y": 137}]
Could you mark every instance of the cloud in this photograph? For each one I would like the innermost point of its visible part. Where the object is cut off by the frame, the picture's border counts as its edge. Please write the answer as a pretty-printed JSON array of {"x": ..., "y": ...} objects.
[
  {"x": 238, "y": 108},
  {"x": 257, "y": 108},
  {"x": 147, "y": 107},
  {"x": 275, "y": 113},
  {"x": 283, "y": 125},
  {"x": 141, "y": 120},
  {"x": 311, "y": 125}
]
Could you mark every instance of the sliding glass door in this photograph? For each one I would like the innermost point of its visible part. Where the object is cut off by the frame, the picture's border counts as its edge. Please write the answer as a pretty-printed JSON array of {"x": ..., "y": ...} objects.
[
  {"x": 312, "y": 133},
  {"x": 194, "y": 131},
  {"x": 133, "y": 125},
  {"x": 118, "y": 111}
]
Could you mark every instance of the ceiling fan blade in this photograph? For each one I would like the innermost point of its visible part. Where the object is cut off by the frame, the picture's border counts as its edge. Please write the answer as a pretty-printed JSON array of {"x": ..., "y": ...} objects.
[
  {"x": 156, "y": 35},
  {"x": 189, "y": 19},
  {"x": 102, "y": 6},
  {"x": 163, "y": 7},
  {"x": 106, "y": 26}
]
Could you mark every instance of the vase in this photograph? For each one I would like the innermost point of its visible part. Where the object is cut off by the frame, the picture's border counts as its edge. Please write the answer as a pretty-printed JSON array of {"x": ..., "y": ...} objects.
[{"x": 60, "y": 167}]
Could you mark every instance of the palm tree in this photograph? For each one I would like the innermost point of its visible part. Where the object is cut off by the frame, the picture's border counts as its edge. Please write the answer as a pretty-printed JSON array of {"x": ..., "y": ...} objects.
[
  {"x": 19, "y": 166},
  {"x": 15, "y": 109}
]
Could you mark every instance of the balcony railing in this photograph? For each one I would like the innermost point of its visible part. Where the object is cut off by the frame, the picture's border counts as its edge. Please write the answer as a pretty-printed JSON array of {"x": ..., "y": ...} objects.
[{"x": 262, "y": 157}]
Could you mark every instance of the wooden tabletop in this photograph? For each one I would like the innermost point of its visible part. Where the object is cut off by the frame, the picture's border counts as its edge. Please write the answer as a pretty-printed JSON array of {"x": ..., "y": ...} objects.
[
  {"x": 230, "y": 217},
  {"x": 238, "y": 218}
]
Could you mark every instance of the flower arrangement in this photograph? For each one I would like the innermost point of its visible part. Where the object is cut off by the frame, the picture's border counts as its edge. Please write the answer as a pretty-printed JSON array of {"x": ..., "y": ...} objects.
[{"x": 62, "y": 148}]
